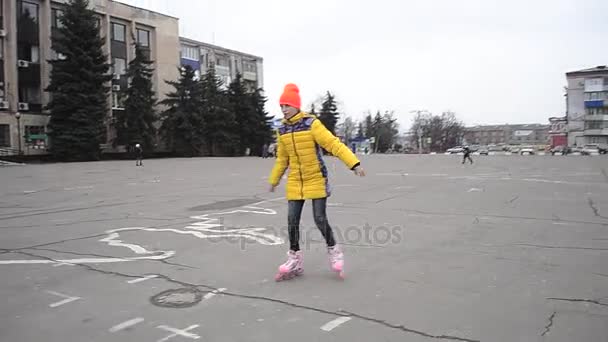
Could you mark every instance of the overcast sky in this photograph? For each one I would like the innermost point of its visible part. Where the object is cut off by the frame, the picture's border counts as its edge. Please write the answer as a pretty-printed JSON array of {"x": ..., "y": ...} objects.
[{"x": 489, "y": 61}]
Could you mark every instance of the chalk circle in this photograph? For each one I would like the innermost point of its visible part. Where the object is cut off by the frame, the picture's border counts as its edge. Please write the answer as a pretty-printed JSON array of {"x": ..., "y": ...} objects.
[{"x": 177, "y": 298}]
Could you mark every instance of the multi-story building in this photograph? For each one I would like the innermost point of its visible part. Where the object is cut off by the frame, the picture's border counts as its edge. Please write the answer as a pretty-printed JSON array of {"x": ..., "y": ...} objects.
[
  {"x": 26, "y": 28},
  {"x": 228, "y": 63},
  {"x": 587, "y": 106},
  {"x": 526, "y": 134}
]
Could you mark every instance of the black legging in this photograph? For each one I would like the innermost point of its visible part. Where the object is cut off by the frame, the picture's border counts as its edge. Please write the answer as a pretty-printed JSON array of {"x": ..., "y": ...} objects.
[{"x": 320, "y": 216}]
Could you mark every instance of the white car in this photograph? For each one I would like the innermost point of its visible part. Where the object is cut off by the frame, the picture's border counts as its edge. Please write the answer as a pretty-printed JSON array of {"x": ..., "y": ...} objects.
[
  {"x": 590, "y": 149},
  {"x": 454, "y": 150},
  {"x": 526, "y": 150}
]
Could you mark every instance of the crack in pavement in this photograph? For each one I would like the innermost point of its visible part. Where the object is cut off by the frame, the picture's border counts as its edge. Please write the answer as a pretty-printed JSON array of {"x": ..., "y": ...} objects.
[
  {"x": 210, "y": 289},
  {"x": 164, "y": 261},
  {"x": 548, "y": 327},
  {"x": 596, "y": 211},
  {"x": 576, "y": 300},
  {"x": 51, "y": 243},
  {"x": 430, "y": 213},
  {"x": 66, "y": 210},
  {"x": 560, "y": 247},
  {"x": 601, "y": 274},
  {"x": 513, "y": 199}
]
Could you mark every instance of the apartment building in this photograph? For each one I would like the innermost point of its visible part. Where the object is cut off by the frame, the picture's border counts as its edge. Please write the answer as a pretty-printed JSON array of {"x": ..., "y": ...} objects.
[
  {"x": 26, "y": 29},
  {"x": 200, "y": 56}
]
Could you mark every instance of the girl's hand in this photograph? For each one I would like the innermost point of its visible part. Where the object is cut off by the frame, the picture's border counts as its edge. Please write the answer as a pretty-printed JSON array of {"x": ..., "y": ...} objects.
[
  {"x": 359, "y": 171},
  {"x": 272, "y": 187}
]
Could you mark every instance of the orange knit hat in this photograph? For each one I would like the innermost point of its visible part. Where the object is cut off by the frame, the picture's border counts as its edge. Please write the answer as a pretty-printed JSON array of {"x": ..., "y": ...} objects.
[{"x": 291, "y": 96}]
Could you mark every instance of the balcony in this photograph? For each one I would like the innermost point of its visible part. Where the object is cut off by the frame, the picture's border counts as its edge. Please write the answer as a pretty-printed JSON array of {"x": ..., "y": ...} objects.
[
  {"x": 250, "y": 76},
  {"x": 596, "y": 132},
  {"x": 594, "y": 103},
  {"x": 599, "y": 117},
  {"x": 222, "y": 70}
]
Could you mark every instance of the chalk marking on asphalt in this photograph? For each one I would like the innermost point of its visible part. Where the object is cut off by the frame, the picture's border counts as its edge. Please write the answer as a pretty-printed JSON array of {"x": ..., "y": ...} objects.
[
  {"x": 126, "y": 324},
  {"x": 63, "y": 264},
  {"x": 68, "y": 299},
  {"x": 139, "y": 280},
  {"x": 329, "y": 326},
  {"x": 205, "y": 228},
  {"x": 213, "y": 293},
  {"x": 177, "y": 332},
  {"x": 561, "y": 223},
  {"x": 475, "y": 190},
  {"x": 268, "y": 201}
]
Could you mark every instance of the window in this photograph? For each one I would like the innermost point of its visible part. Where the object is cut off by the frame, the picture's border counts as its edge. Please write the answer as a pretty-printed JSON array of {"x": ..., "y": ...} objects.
[
  {"x": 249, "y": 66},
  {"x": 118, "y": 32},
  {"x": 190, "y": 52},
  {"x": 594, "y": 124},
  {"x": 30, "y": 95},
  {"x": 119, "y": 66},
  {"x": 143, "y": 37},
  {"x": 56, "y": 15},
  {"x": 222, "y": 61},
  {"x": 29, "y": 11},
  {"x": 118, "y": 100},
  {"x": 98, "y": 22},
  {"x": 5, "y": 136}
]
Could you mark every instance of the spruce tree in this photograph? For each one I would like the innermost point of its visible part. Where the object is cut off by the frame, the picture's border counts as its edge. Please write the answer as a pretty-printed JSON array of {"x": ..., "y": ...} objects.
[
  {"x": 183, "y": 127},
  {"x": 220, "y": 135},
  {"x": 242, "y": 107},
  {"x": 136, "y": 123},
  {"x": 329, "y": 112},
  {"x": 79, "y": 86},
  {"x": 263, "y": 119}
]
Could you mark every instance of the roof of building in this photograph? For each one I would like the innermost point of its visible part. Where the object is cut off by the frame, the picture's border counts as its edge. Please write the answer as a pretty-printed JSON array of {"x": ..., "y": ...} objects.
[
  {"x": 217, "y": 47},
  {"x": 144, "y": 9},
  {"x": 597, "y": 69}
]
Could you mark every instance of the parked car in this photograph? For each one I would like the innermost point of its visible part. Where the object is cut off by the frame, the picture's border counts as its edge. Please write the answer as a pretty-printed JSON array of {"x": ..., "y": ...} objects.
[
  {"x": 590, "y": 149},
  {"x": 483, "y": 151},
  {"x": 527, "y": 150},
  {"x": 456, "y": 149},
  {"x": 559, "y": 150}
]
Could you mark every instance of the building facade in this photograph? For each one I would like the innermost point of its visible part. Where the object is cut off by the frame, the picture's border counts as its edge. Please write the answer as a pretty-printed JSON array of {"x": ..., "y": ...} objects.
[
  {"x": 26, "y": 28},
  {"x": 527, "y": 134},
  {"x": 587, "y": 106},
  {"x": 228, "y": 63}
]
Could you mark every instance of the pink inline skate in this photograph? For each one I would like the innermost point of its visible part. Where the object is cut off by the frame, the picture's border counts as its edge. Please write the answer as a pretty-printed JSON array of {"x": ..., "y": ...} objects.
[
  {"x": 336, "y": 259},
  {"x": 292, "y": 268}
]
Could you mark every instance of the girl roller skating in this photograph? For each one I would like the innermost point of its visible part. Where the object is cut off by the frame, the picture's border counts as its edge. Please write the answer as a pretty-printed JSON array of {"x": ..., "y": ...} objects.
[{"x": 299, "y": 142}]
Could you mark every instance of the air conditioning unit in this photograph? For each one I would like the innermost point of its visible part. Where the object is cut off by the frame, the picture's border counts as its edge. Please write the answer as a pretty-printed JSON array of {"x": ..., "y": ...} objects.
[
  {"x": 3, "y": 104},
  {"x": 1, "y": 84},
  {"x": 23, "y": 64},
  {"x": 116, "y": 76},
  {"x": 115, "y": 87},
  {"x": 2, "y": 33},
  {"x": 24, "y": 106}
]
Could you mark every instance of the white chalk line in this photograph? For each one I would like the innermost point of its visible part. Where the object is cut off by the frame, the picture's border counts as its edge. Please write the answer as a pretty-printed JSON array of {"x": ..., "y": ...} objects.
[
  {"x": 139, "y": 280},
  {"x": 68, "y": 299},
  {"x": 177, "y": 332},
  {"x": 331, "y": 325},
  {"x": 125, "y": 325},
  {"x": 213, "y": 293},
  {"x": 205, "y": 228}
]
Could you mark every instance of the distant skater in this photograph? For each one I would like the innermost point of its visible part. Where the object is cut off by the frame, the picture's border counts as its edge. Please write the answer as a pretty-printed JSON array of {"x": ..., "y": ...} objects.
[{"x": 467, "y": 155}]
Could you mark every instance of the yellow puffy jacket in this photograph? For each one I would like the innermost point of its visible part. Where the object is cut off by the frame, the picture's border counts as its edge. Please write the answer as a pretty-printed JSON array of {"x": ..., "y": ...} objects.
[{"x": 299, "y": 140}]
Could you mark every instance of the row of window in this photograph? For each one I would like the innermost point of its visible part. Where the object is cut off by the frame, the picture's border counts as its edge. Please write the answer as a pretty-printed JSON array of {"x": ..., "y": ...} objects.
[
  {"x": 596, "y": 124},
  {"x": 596, "y": 96},
  {"x": 597, "y": 111},
  {"x": 118, "y": 31},
  {"x": 192, "y": 53},
  {"x": 29, "y": 131}
]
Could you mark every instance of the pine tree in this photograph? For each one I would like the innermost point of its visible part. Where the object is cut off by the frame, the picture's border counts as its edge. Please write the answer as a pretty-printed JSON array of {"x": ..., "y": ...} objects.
[
  {"x": 183, "y": 127},
  {"x": 242, "y": 107},
  {"x": 136, "y": 124},
  {"x": 264, "y": 120},
  {"x": 369, "y": 126},
  {"x": 360, "y": 131},
  {"x": 220, "y": 134},
  {"x": 79, "y": 86},
  {"x": 329, "y": 112}
]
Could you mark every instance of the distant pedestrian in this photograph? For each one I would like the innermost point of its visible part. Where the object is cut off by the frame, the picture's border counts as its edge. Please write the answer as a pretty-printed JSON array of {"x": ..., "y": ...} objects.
[
  {"x": 265, "y": 151},
  {"x": 467, "y": 155},
  {"x": 139, "y": 155}
]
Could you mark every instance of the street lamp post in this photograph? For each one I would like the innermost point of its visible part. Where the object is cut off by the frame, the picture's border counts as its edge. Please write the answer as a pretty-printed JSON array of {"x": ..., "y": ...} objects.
[{"x": 18, "y": 117}]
